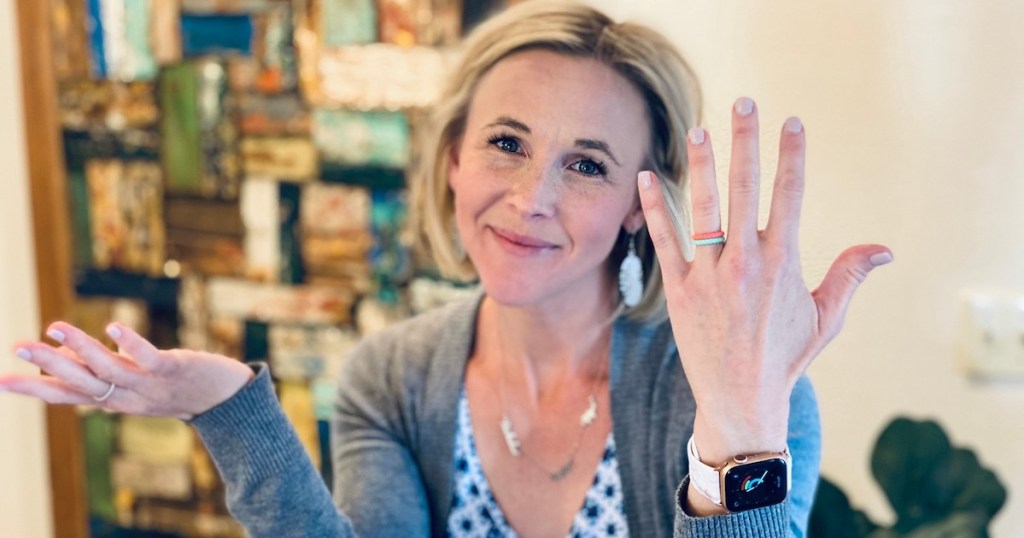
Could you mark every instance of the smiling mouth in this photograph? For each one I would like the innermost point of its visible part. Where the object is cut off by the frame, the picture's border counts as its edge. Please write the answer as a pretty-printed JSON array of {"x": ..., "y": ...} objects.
[{"x": 519, "y": 241}]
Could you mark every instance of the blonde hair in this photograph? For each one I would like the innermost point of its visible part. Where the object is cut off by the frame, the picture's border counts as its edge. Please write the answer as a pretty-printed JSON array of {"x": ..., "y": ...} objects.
[{"x": 641, "y": 55}]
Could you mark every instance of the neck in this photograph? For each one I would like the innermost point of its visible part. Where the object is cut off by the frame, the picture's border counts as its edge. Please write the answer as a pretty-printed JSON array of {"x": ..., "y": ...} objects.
[{"x": 547, "y": 345}]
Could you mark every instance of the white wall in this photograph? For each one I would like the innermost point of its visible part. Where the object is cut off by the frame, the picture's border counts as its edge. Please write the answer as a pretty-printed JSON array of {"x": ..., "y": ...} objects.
[
  {"x": 915, "y": 116},
  {"x": 24, "y": 479}
]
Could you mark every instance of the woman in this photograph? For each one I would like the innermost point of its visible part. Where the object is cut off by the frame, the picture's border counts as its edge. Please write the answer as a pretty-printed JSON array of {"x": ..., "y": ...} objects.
[{"x": 579, "y": 394}]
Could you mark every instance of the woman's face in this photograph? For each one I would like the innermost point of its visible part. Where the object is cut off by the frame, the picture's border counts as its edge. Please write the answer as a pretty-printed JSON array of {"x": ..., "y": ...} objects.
[{"x": 545, "y": 175}]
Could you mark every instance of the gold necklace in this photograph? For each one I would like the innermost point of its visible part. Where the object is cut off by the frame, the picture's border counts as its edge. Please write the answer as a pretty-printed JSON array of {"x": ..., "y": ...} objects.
[{"x": 514, "y": 445}]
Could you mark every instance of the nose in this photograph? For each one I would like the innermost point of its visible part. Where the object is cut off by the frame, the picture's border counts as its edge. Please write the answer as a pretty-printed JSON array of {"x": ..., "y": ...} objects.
[{"x": 536, "y": 191}]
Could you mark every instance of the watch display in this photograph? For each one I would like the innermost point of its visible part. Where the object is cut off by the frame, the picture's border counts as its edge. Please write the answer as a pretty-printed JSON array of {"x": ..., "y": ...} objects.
[{"x": 746, "y": 486}]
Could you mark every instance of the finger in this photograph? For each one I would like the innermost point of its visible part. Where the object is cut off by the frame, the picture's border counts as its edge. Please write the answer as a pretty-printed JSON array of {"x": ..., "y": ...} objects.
[
  {"x": 661, "y": 227},
  {"x": 135, "y": 346},
  {"x": 58, "y": 364},
  {"x": 707, "y": 214},
  {"x": 103, "y": 362},
  {"x": 49, "y": 389},
  {"x": 788, "y": 192},
  {"x": 744, "y": 173},
  {"x": 836, "y": 291},
  {"x": 70, "y": 355}
]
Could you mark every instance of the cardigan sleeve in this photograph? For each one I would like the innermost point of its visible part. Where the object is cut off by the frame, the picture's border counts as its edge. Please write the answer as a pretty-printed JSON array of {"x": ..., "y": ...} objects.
[
  {"x": 769, "y": 521},
  {"x": 785, "y": 519},
  {"x": 376, "y": 478},
  {"x": 273, "y": 490},
  {"x": 805, "y": 446}
]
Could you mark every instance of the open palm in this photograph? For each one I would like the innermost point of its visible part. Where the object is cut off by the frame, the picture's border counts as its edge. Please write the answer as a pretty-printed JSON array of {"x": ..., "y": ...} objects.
[{"x": 140, "y": 379}]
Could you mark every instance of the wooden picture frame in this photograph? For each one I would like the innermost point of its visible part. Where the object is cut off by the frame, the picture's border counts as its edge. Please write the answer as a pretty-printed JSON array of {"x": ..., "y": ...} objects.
[{"x": 52, "y": 237}]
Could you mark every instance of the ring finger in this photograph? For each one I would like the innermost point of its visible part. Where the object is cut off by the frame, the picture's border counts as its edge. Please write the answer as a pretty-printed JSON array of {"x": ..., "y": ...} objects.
[
  {"x": 707, "y": 214},
  {"x": 49, "y": 389}
]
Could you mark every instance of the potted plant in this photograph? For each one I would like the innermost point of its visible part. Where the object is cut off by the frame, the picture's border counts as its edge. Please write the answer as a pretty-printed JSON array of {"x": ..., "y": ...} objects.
[{"x": 935, "y": 489}]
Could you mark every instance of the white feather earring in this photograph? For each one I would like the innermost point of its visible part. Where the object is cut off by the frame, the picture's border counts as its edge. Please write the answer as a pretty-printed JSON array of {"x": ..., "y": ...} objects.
[{"x": 631, "y": 276}]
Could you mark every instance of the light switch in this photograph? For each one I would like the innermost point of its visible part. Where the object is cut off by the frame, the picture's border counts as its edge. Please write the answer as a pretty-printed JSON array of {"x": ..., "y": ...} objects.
[{"x": 991, "y": 335}]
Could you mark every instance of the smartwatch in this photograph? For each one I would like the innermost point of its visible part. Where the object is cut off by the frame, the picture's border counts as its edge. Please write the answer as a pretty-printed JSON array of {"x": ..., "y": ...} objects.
[{"x": 744, "y": 482}]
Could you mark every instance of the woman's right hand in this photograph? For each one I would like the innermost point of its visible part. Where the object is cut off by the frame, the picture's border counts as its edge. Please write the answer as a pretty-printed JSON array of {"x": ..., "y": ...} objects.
[
  {"x": 176, "y": 383},
  {"x": 745, "y": 322}
]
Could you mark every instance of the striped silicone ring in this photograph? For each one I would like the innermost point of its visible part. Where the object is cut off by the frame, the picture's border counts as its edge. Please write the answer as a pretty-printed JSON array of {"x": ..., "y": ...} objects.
[
  {"x": 709, "y": 235},
  {"x": 710, "y": 241}
]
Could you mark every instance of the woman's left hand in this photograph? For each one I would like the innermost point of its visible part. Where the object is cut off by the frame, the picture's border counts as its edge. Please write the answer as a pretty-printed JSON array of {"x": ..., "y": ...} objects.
[{"x": 744, "y": 320}]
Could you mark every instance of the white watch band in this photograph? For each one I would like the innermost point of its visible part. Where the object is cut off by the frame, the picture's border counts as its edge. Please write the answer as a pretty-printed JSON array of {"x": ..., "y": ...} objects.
[{"x": 705, "y": 479}]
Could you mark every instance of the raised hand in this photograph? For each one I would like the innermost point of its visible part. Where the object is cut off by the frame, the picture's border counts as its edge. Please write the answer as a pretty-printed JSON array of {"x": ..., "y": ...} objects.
[
  {"x": 744, "y": 320},
  {"x": 140, "y": 380}
]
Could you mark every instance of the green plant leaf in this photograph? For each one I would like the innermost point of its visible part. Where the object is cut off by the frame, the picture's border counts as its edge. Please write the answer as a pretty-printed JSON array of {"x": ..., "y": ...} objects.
[
  {"x": 955, "y": 525},
  {"x": 833, "y": 517},
  {"x": 966, "y": 486},
  {"x": 905, "y": 457},
  {"x": 926, "y": 480}
]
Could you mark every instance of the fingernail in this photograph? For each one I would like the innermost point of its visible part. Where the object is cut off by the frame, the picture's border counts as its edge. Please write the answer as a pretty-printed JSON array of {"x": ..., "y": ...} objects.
[
  {"x": 793, "y": 125},
  {"x": 881, "y": 258},
  {"x": 696, "y": 136},
  {"x": 23, "y": 353},
  {"x": 744, "y": 106},
  {"x": 56, "y": 335},
  {"x": 114, "y": 331},
  {"x": 645, "y": 179}
]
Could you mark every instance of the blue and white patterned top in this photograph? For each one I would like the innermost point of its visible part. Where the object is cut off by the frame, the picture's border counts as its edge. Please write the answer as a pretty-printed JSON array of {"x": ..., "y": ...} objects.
[{"x": 475, "y": 512}]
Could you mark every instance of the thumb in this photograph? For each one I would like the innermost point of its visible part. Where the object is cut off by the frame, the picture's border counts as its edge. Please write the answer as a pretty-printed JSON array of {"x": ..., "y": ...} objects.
[
  {"x": 135, "y": 346},
  {"x": 847, "y": 273}
]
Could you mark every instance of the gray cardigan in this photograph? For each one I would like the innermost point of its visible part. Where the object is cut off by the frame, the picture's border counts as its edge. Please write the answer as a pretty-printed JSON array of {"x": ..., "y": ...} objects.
[{"x": 394, "y": 432}]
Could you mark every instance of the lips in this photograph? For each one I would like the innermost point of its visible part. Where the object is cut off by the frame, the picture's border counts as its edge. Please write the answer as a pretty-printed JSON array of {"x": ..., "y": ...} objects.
[{"x": 520, "y": 241}]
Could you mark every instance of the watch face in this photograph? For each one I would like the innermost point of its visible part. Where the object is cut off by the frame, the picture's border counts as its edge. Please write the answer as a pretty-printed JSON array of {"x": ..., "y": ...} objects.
[{"x": 756, "y": 484}]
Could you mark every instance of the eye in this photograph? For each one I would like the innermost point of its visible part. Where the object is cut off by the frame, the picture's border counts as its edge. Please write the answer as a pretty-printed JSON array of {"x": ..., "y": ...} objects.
[
  {"x": 505, "y": 143},
  {"x": 588, "y": 167}
]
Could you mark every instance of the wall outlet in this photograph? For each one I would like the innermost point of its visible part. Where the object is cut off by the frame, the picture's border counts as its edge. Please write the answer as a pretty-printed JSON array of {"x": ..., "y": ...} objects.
[{"x": 991, "y": 335}]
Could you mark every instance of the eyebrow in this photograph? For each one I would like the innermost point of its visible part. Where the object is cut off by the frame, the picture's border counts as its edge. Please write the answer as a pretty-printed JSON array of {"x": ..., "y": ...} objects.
[
  {"x": 597, "y": 145},
  {"x": 513, "y": 124},
  {"x": 585, "y": 143}
]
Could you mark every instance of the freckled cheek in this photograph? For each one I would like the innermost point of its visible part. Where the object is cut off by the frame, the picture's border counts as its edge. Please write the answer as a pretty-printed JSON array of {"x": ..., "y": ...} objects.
[
  {"x": 600, "y": 213},
  {"x": 594, "y": 228},
  {"x": 479, "y": 184},
  {"x": 475, "y": 192}
]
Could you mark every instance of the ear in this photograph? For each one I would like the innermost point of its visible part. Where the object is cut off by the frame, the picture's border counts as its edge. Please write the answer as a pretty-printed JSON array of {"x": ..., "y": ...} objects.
[
  {"x": 454, "y": 160},
  {"x": 634, "y": 219}
]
